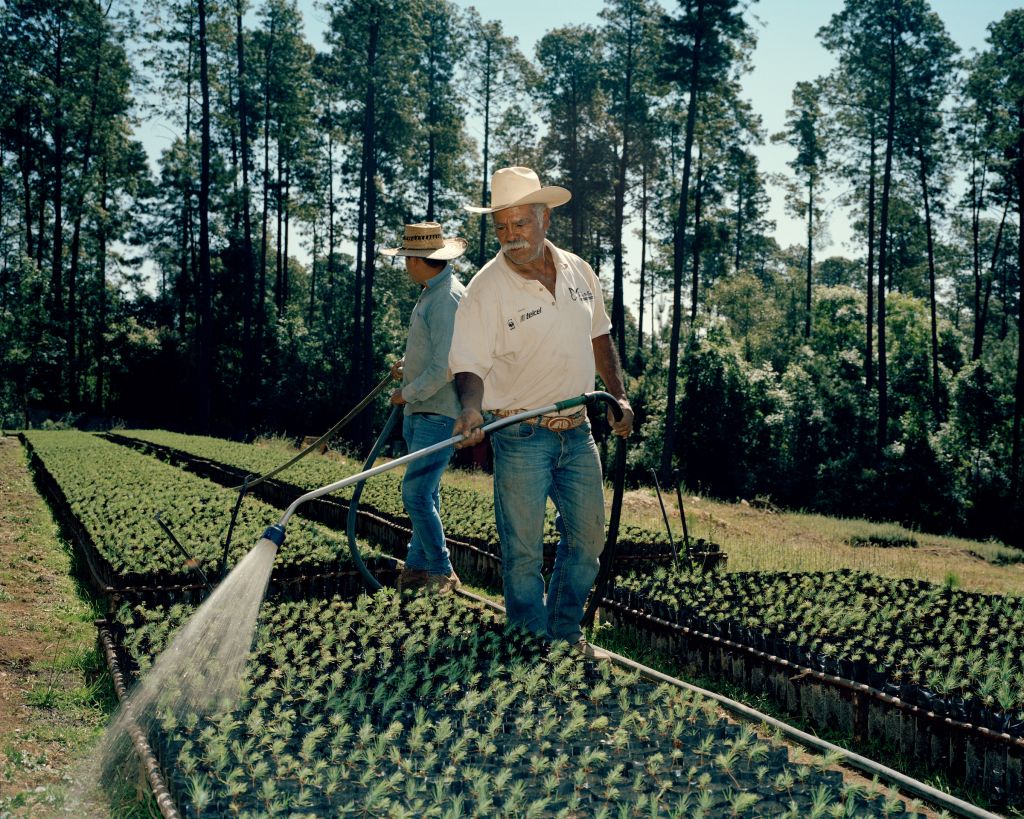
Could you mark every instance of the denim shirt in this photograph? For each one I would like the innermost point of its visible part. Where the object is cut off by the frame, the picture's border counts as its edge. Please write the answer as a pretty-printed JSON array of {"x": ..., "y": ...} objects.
[{"x": 425, "y": 384}]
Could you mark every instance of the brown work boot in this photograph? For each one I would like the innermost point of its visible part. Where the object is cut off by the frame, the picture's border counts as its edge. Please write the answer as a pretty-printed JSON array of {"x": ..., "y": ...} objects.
[
  {"x": 590, "y": 652},
  {"x": 443, "y": 583},
  {"x": 412, "y": 579}
]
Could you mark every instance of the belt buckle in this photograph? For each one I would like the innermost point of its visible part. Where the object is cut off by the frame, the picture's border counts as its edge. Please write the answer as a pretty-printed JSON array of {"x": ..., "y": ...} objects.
[{"x": 561, "y": 423}]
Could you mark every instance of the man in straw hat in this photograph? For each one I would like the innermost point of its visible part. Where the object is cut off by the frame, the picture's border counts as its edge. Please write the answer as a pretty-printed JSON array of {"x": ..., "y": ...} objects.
[
  {"x": 430, "y": 403},
  {"x": 530, "y": 331}
]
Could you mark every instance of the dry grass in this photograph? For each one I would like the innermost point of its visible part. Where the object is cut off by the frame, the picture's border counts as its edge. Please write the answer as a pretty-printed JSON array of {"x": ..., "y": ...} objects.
[{"x": 758, "y": 539}]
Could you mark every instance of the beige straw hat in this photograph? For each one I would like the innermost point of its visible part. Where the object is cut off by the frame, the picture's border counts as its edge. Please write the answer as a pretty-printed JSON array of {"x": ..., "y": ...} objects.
[
  {"x": 511, "y": 187},
  {"x": 426, "y": 240}
]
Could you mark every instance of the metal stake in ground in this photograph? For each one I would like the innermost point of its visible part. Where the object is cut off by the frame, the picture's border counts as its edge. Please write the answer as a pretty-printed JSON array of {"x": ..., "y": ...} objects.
[{"x": 664, "y": 516}]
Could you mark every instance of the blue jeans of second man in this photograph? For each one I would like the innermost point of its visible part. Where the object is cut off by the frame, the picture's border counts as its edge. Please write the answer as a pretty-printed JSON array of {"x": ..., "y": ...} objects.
[
  {"x": 421, "y": 491},
  {"x": 532, "y": 463}
]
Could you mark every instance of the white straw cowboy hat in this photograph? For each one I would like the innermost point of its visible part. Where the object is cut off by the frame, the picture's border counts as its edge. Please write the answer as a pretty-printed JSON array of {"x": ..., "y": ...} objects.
[
  {"x": 425, "y": 239},
  {"x": 511, "y": 187}
]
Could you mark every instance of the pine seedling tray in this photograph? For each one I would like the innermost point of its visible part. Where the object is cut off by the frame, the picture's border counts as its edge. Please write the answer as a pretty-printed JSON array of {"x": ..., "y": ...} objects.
[{"x": 429, "y": 706}]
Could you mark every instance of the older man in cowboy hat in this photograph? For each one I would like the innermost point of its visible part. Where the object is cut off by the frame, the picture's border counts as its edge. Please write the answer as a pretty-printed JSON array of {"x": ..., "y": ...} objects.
[
  {"x": 530, "y": 331},
  {"x": 430, "y": 403}
]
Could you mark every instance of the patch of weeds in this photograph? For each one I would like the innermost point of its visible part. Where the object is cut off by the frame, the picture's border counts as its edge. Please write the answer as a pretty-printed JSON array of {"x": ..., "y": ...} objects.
[{"x": 884, "y": 541}]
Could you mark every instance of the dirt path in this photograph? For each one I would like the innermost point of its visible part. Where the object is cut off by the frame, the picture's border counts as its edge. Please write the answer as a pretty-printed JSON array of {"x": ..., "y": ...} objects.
[{"x": 51, "y": 705}]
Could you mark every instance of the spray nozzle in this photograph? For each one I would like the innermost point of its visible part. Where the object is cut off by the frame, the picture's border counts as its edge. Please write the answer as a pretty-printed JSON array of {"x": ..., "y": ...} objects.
[{"x": 275, "y": 534}]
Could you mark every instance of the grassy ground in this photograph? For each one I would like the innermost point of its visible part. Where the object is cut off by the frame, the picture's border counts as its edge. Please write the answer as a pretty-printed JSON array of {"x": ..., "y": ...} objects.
[
  {"x": 55, "y": 693},
  {"x": 52, "y": 697},
  {"x": 758, "y": 539}
]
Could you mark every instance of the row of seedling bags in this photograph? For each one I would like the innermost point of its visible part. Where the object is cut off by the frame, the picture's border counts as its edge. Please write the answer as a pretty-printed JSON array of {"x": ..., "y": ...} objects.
[
  {"x": 468, "y": 514},
  {"x": 958, "y": 652},
  {"x": 431, "y": 706},
  {"x": 116, "y": 492}
]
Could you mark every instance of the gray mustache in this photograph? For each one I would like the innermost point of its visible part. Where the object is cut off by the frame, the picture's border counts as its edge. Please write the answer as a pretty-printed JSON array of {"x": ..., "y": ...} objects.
[{"x": 518, "y": 244}]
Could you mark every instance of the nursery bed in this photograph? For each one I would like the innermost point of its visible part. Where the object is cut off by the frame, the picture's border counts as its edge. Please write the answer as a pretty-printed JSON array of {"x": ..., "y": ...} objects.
[
  {"x": 973, "y": 756},
  {"x": 385, "y": 705},
  {"x": 105, "y": 497},
  {"x": 469, "y": 526}
]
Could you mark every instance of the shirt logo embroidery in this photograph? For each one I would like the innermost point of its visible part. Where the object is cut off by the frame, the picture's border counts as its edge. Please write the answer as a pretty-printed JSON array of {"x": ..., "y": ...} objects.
[
  {"x": 531, "y": 314},
  {"x": 580, "y": 295},
  {"x": 511, "y": 324}
]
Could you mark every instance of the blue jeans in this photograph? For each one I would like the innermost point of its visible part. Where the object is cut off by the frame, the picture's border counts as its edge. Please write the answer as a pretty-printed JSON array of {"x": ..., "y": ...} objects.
[
  {"x": 421, "y": 491},
  {"x": 531, "y": 464}
]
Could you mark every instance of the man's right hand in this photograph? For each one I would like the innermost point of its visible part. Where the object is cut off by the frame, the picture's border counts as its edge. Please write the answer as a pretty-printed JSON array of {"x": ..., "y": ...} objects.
[
  {"x": 397, "y": 368},
  {"x": 469, "y": 423}
]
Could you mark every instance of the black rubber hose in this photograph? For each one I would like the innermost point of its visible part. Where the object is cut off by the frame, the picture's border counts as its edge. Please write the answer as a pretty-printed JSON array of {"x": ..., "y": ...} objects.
[
  {"x": 372, "y": 583},
  {"x": 611, "y": 543}
]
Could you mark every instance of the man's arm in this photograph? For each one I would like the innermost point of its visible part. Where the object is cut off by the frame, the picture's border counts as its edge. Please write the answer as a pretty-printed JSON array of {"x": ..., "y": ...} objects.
[
  {"x": 608, "y": 367},
  {"x": 470, "y": 387}
]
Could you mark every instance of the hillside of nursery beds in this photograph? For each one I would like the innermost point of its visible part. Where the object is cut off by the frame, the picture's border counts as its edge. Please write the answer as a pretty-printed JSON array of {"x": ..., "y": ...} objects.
[{"x": 415, "y": 706}]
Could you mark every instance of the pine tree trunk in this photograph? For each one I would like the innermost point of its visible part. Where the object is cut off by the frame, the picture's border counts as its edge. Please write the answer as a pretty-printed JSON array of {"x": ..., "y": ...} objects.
[
  {"x": 936, "y": 398},
  {"x": 739, "y": 226},
  {"x": 365, "y": 373},
  {"x": 696, "y": 244},
  {"x": 76, "y": 234},
  {"x": 643, "y": 258},
  {"x": 869, "y": 347},
  {"x": 204, "y": 306},
  {"x": 1018, "y": 393},
  {"x": 186, "y": 246},
  {"x": 330, "y": 215},
  {"x": 482, "y": 254},
  {"x": 261, "y": 289},
  {"x": 619, "y": 220},
  {"x": 25, "y": 162},
  {"x": 431, "y": 130},
  {"x": 285, "y": 272},
  {"x": 250, "y": 364},
  {"x": 810, "y": 257},
  {"x": 57, "y": 247},
  {"x": 678, "y": 258},
  {"x": 982, "y": 317},
  {"x": 100, "y": 329},
  {"x": 278, "y": 206},
  {"x": 890, "y": 136},
  {"x": 977, "y": 194},
  {"x": 312, "y": 277}
]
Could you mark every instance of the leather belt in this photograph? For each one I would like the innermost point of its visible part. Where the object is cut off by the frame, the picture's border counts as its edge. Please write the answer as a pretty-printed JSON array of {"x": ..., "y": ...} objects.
[{"x": 556, "y": 423}]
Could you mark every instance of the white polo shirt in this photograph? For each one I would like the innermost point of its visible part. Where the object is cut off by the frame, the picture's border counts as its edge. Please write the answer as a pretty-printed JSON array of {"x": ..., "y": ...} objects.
[{"x": 530, "y": 348}]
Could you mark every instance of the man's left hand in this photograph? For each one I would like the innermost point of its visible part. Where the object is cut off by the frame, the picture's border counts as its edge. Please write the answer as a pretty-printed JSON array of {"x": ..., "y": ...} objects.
[
  {"x": 625, "y": 426},
  {"x": 396, "y": 397}
]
